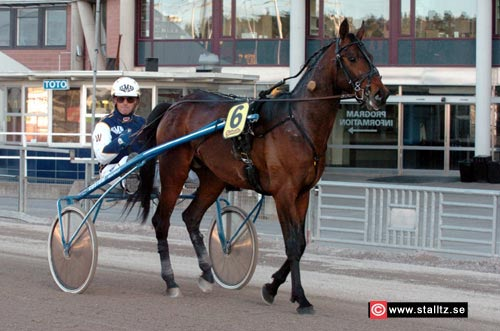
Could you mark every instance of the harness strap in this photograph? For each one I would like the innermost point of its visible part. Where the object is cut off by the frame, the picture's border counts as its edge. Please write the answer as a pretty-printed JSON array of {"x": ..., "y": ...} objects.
[
  {"x": 291, "y": 117},
  {"x": 242, "y": 146}
]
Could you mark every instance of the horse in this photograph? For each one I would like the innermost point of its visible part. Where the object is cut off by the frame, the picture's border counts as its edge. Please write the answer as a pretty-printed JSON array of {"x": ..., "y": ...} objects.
[{"x": 286, "y": 156}]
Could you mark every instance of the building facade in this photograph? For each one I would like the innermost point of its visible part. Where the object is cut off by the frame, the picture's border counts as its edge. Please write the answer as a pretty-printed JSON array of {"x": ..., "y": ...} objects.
[{"x": 440, "y": 59}]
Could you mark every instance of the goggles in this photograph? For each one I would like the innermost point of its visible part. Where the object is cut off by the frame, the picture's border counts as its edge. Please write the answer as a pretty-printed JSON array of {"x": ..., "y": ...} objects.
[{"x": 129, "y": 99}]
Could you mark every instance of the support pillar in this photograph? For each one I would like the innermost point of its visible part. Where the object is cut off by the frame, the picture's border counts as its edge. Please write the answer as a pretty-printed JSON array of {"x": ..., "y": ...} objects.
[
  {"x": 483, "y": 78},
  {"x": 89, "y": 31},
  {"x": 127, "y": 19},
  {"x": 297, "y": 39}
]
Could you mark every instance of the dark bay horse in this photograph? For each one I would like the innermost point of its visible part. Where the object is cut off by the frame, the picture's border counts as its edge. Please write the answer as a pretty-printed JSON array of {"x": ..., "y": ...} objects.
[{"x": 288, "y": 148}]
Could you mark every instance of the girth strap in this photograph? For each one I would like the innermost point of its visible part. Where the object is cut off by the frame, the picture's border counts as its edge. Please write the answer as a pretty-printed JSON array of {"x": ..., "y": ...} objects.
[{"x": 242, "y": 146}]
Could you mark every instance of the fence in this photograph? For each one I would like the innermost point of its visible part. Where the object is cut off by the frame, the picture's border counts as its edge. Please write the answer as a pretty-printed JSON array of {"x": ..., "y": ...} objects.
[
  {"x": 20, "y": 179},
  {"x": 16, "y": 167},
  {"x": 438, "y": 219},
  {"x": 450, "y": 220}
]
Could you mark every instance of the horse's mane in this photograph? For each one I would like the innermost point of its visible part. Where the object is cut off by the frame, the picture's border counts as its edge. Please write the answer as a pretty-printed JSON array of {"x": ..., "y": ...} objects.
[{"x": 308, "y": 67}]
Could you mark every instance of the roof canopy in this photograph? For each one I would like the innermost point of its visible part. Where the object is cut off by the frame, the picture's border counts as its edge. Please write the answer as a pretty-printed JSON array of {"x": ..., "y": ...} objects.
[{"x": 184, "y": 77}]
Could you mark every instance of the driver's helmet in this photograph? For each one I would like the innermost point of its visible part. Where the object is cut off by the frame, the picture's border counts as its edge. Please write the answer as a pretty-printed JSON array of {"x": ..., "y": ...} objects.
[{"x": 125, "y": 87}]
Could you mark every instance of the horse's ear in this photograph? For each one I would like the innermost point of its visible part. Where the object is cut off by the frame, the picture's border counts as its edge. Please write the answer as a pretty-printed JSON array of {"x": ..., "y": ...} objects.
[
  {"x": 344, "y": 28},
  {"x": 361, "y": 31}
]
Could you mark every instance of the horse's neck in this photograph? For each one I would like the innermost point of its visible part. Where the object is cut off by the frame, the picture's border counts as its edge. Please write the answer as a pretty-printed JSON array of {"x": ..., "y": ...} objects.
[{"x": 317, "y": 117}]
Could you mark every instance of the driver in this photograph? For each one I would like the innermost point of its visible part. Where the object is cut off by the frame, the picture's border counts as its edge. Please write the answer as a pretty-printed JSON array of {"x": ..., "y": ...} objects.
[{"x": 112, "y": 140}]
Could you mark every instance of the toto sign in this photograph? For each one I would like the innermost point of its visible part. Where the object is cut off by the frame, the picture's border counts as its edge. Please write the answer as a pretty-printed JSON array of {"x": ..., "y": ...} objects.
[{"x": 56, "y": 84}]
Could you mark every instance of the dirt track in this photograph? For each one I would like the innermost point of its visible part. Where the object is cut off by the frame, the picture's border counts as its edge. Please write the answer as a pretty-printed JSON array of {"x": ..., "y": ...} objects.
[{"x": 127, "y": 292}]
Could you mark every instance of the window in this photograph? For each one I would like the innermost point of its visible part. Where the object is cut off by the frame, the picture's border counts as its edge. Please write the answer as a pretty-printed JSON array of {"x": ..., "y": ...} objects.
[
  {"x": 325, "y": 18},
  {"x": 145, "y": 19},
  {"x": 262, "y": 32},
  {"x": 362, "y": 138},
  {"x": 27, "y": 27},
  {"x": 445, "y": 19},
  {"x": 5, "y": 28},
  {"x": 462, "y": 125},
  {"x": 36, "y": 117},
  {"x": 66, "y": 116},
  {"x": 33, "y": 27},
  {"x": 497, "y": 17},
  {"x": 227, "y": 18},
  {"x": 405, "y": 26},
  {"x": 180, "y": 19},
  {"x": 374, "y": 13},
  {"x": 262, "y": 19},
  {"x": 423, "y": 136},
  {"x": 169, "y": 95},
  {"x": 55, "y": 27},
  {"x": 314, "y": 18},
  {"x": 250, "y": 32},
  {"x": 14, "y": 116}
]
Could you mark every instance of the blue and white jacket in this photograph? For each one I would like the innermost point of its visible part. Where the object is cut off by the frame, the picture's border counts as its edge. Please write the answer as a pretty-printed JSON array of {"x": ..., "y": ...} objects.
[{"x": 105, "y": 137}]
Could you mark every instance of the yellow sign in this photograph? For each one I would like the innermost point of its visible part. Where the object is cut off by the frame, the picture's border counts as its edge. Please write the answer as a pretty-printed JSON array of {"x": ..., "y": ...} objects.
[{"x": 235, "y": 122}]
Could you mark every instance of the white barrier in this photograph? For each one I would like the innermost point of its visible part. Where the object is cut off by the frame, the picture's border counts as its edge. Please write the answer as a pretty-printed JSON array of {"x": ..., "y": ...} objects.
[{"x": 447, "y": 220}]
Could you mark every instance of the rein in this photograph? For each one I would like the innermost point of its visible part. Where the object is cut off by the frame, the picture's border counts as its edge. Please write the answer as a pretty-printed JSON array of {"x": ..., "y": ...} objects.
[
  {"x": 236, "y": 99},
  {"x": 330, "y": 97}
]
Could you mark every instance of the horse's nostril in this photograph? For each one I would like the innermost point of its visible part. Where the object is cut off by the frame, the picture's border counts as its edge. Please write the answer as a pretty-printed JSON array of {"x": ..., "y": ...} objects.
[{"x": 381, "y": 96}]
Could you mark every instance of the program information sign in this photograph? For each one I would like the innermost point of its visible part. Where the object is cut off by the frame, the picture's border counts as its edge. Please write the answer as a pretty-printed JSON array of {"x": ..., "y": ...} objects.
[{"x": 365, "y": 121}]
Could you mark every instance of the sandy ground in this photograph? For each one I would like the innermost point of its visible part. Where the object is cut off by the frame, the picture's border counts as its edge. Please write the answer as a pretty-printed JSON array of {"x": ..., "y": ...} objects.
[{"x": 127, "y": 292}]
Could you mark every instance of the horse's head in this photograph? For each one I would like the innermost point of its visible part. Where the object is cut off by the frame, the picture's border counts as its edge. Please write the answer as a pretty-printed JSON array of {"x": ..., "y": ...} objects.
[{"x": 355, "y": 63}]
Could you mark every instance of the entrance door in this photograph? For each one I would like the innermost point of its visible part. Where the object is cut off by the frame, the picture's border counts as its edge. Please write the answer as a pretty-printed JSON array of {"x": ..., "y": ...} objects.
[
  {"x": 424, "y": 136},
  {"x": 437, "y": 136}
]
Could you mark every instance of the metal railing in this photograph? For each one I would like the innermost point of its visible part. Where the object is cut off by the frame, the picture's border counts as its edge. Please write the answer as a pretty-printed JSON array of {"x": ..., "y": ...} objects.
[
  {"x": 244, "y": 199},
  {"x": 447, "y": 220},
  {"x": 23, "y": 158}
]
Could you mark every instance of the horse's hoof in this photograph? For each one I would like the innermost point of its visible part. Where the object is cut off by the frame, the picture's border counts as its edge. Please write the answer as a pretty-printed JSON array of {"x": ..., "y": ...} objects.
[
  {"x": 267, "y": 297},
  {"x": 308, "y": 310},
  {"x": 205, "y": 286},
  {"x": 174, "y": 292}
]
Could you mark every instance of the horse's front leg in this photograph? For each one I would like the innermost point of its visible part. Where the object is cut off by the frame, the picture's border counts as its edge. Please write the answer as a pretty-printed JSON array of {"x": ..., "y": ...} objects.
[
  {"x": 270, "y": 290},
  {"x": 295, "y": 244}
]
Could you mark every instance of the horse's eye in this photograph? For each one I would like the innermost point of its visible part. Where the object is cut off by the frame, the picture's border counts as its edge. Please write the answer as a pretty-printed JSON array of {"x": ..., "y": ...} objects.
[{"x": 352, "y": 59}]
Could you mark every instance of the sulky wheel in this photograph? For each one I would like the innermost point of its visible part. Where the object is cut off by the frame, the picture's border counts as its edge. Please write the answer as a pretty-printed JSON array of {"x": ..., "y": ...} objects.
[
  {"x": 73, "y": 269},
  {"x": 234, "y": 267}
]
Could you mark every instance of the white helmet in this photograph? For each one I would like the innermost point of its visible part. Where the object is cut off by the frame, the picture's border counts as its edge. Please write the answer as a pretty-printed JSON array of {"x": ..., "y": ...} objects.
[{"x": 125, "y": 87}]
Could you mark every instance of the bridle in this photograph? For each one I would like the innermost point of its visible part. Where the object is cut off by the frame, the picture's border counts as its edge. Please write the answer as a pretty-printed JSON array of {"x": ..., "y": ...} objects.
[{"x": 356, "y": 84}]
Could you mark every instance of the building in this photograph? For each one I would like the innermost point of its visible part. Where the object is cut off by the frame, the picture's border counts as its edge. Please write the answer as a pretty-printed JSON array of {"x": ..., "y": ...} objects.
[{"x": 440, "y": 60}]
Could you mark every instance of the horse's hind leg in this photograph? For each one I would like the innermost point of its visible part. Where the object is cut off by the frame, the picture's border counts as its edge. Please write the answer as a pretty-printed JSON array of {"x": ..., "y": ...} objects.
[
  {"x": 162, "y": 225},
  {"x": 292, "y": 218},
  {"x": 208, "y": 191},
  {"x": 171, "y": 187}
]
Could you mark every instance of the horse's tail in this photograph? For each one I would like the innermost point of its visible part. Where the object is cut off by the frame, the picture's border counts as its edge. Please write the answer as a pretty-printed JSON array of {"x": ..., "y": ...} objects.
[{"x": 147, "y": 172}]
